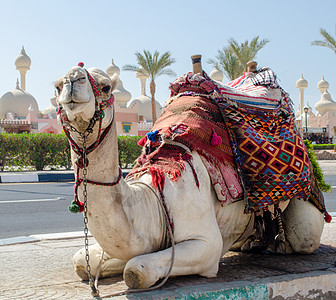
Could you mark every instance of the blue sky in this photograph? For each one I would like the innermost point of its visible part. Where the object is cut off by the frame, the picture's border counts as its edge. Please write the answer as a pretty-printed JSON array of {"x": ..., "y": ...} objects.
[{"x": 59, "y": 34}]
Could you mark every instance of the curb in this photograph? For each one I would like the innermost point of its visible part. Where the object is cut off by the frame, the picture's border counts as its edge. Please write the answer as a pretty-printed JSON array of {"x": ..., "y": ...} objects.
[
  {"x": 31, "y": 177},
  {"x": 42, "y": 237},
  {"x": 310, "y": 285}
]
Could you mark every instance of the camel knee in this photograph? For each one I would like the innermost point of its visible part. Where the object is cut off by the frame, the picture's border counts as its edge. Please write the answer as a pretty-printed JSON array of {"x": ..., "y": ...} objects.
[
  {"x": 303, "y": 225},
  {"x": 108, "y": 265}
]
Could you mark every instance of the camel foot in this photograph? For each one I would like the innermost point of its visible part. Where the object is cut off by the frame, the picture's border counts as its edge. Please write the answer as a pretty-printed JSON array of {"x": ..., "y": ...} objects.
[
  {"x": 82, "y": 273},
  {"x": 134, "y": 279}
]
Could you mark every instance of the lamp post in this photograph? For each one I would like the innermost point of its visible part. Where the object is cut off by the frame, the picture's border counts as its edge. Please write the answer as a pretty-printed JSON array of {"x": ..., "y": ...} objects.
[{"x": 305, "y": 109}]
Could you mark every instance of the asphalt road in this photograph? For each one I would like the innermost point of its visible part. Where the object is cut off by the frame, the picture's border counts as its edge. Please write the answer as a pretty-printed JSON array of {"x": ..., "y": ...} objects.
[{"x": 39, "y": 208}]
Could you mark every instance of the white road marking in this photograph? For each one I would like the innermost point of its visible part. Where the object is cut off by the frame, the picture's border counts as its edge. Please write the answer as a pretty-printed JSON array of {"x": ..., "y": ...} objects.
[{"x": 32, "y": 200}]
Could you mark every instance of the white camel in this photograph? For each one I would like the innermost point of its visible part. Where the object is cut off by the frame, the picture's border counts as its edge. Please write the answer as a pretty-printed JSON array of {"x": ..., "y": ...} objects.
[{"x": 128, "y": 221}]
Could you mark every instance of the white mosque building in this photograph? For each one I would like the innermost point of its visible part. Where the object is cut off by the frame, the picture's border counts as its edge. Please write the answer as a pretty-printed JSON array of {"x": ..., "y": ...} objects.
[
  {"x": 320, "y": 127},
  {"x": 20, "y": 112}
]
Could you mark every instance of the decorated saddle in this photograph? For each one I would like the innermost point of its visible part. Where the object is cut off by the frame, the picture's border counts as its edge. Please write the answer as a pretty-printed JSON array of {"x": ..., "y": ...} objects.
[{"x": 245, "y": 134}]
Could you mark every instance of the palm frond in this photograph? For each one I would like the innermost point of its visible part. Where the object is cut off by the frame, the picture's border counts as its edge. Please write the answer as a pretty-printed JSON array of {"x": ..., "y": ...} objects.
[
  {"x": 168, "y": 72},
  {"x": 328, "y": 41},
  {"x": 246, "y": 51},
  {"x": 130, "y": 68},
  {"x": 232, "y": 60}
]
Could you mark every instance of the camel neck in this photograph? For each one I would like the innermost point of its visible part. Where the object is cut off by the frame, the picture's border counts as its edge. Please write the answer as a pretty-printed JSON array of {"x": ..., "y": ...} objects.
[{"x": 102, "y": 158}]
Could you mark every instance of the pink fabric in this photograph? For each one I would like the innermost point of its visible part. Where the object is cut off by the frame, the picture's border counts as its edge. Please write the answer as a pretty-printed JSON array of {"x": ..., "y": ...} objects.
[{"x": 224, "y": 179}]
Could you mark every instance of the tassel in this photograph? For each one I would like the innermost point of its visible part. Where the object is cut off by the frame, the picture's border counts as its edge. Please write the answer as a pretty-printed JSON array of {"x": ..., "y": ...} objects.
[
  {"x": 152, "y": 136},
  {"x": 142, "y": 141},
  {"x": 76, "y": 207},
  {"x": 216, "y": 140},
  {"x": 158, "y": 178},
  {"x": 327, "y": 217}
]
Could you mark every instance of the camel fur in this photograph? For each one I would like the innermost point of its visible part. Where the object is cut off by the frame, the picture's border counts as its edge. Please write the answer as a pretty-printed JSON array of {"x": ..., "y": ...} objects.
[{"x": 129, "y": 223}]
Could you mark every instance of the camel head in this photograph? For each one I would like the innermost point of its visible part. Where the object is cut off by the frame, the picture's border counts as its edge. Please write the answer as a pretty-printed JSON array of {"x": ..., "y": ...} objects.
[{"x": 81, "y": 92}]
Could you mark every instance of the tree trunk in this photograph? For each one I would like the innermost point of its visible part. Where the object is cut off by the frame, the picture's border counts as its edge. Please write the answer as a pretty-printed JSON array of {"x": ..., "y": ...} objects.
[{"x": 152, "y": 91}]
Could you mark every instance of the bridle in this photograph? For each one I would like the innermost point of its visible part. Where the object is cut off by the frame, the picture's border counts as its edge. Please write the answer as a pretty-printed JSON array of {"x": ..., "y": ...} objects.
[
  {"x": 82, "y": 161},
  {"x": 82, "y": 152}
]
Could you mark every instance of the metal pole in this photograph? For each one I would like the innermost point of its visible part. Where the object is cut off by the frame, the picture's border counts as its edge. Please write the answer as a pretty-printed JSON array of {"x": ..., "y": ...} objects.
[{"x": 306, "y": 127}]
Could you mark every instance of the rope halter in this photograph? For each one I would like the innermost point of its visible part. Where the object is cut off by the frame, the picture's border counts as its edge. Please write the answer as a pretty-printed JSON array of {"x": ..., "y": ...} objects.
[
  {"x": 82, "y": 161},
  {"x": 96, "y": 91}
]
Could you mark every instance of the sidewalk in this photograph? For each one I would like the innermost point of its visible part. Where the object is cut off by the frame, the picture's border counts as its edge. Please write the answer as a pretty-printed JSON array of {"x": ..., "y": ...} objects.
[{"x": 43, "y": 269}]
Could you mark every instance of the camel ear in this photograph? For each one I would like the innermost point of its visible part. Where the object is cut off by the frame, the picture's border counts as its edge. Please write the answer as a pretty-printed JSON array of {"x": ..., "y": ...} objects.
[
  {"x": 107, "y": 85},
  {"x": 58, "y": 86},
  {"x": 114, "y": 80}
]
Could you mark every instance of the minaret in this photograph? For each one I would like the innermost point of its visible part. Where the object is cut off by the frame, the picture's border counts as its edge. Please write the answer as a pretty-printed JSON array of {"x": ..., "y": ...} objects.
[
  {"x": 143, "y": 77},
  {"x": 301, "y": 84},
  {"x": 323, "y": 85},
  {"x": 22, "y": 63}
]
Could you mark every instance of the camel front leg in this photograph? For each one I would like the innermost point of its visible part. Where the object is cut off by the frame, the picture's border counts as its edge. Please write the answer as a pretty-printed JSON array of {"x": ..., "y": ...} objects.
[
  {"x": 197, "y": 256},
  {"x": 109, "y": 265}
]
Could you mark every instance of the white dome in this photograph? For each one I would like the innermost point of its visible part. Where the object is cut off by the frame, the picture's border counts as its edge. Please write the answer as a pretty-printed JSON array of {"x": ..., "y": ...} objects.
[
  {"x": 121, "y": 95},
  {"x": 145, "y": 107},
  {"x": 325, "y": 104},
  {"x": 23, "y": 60},
  {"x": 323, "y": 85},
  {"x": 302, "y": 83},
  {"x": 51, "y": 109},
  {"x": 112, "y": 69},
  {"x": 216, "y": 74},
  {"x": 18, "y": 102}
]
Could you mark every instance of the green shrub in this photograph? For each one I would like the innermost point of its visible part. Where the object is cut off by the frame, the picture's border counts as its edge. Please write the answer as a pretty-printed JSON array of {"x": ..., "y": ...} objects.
[
  {"x": 324, "y": 187},
  {"x": 323, "y": 146},
  {"x": 12, "y": 151},
  {"x": 41, "y": 150},
  {"x": 128, "y": 149}
]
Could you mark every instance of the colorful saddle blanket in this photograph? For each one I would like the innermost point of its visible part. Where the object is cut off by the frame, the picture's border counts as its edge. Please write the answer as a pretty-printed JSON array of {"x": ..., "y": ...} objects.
[{"x": 254, "y": 119}]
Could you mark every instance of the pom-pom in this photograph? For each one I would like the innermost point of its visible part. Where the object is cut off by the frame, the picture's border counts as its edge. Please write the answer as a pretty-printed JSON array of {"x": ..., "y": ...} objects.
[
  {"x": 327, "y": 217},
  {"x": 142, "y": 141},
  {"x": 152, "y": 136},
  {"x": 80, "y": 64},
  {"x": 75, "y": 207},
  {"x": 216, "y": 140}
]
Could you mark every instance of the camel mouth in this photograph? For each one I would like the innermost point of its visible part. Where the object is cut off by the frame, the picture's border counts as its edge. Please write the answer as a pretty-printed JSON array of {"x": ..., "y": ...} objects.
[{"x": 71, "y": 105}]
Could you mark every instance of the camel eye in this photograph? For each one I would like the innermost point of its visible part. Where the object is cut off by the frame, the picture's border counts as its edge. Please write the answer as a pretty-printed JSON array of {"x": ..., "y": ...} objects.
[
  {"x": 57, "y": 91},
  {"x": 106, "y": 89}
]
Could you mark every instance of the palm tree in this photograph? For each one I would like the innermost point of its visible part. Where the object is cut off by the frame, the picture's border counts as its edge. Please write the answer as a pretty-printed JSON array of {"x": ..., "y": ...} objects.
[
  {"x": 152, "y": 66},
  {"x": 228, "y": 63},
  {"x": 328, "y": 41},
  {"x": 233, "y": 59},
  {"x": 246, "y": 51}
]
